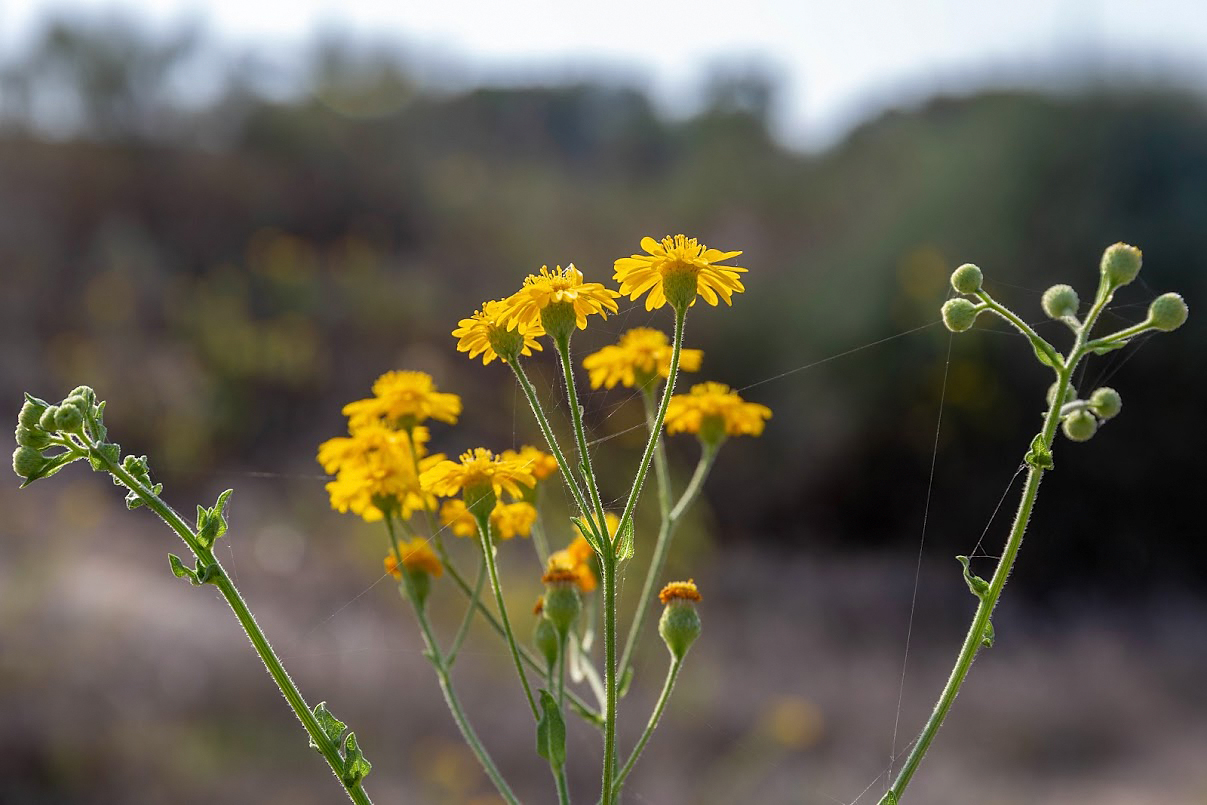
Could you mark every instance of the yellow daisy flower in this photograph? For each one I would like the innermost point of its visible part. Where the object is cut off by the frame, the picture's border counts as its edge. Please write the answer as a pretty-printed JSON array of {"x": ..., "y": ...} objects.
[
  {"x": 558, "y": 300},
  {"x": 376, "y": 464},
  {"x": 417, "y": 555},
  {"x": 485, "y": 333},
  {"x": 679, "y": 591},
  {"x": 642, "y": 354},
  {"x": 477, "y": 469},
  {"x": 507, "y": 520},
  {"x": 403, "y": 400},
  {"x": 572, "y": 564},
  {"x": 713, "y": 411},
  {"x": 540, "y": 463},
  {"x": 675, "y": 270}
]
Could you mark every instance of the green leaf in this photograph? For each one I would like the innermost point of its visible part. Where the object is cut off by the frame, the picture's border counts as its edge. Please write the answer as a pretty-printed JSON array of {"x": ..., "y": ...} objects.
[
  {"x": 588, "y": 533},
  {"x": 987, "y": 638},
  {"x": 180, "y": 571},
  {"x": 52, "y": 465},
  {"x": 976, "y": 585},
  {"x": 133, "y": 501},
  {"x": 551, "y": 732},
  {"x": 331, "y": 726},
  {"x": 624, "y": 542},
  {"x": 1039, "y": 456},
  {"x": 103, "y": 455},
  {"x": 211, "y": 523},
  {"x": 356, "y": 765},
  {"x": 1045, "y": 352},
  {"x": 1109, "y": 347}
]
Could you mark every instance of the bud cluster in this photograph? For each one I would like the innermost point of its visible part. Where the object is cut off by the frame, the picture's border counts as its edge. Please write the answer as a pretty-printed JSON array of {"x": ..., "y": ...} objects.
[
  {"x": 43, "y": 427},
  {"x": 1080, "y": 419}
]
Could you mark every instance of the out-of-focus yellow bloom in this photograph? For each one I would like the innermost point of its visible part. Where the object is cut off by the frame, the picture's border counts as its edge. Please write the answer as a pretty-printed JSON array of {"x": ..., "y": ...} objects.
[
  {"x": 376, "y": 464},
  {"x": 403, "y": 400},
  {"x": 538, "y": 462},
  {"x": 612, "y": 522},
  {"x": 678, "y": 267},
  {"x": 507, "y": 520},
  {"x": 642, "y": 354},
  {"x": 417, "y": 555},
  {"x": 573, "y": 563},
  {"x": 485, "y": 333},
  {"x": 679, "y": 591},
  {"x": 560, "y": 286},
  {"x": 476, "y": 469},
  {"x": 714, "y": 410}
]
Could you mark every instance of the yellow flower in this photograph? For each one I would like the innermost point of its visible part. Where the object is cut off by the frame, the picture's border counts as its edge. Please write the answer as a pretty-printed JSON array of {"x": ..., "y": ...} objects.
[
  {"x": 676, "y": 269},
  {"x": 403, "y": 400},
  {"x": 713, "y": 411},
  {"x": 558, "y": 300},
  {"x": 642, "y": 354},
  {"x": 417, "y": 555},
  {"x": 612, "y": 522},
  {"x": 376, "y": 465},
  {"x": 485, "y": 334},
  {"x": 540, "y": 463},
  {"x": 679, "y": 591},
  {"x": 573, "y": 564},
  {"x": 507, "y": 520},
  {"x": 477, "y": 468}
]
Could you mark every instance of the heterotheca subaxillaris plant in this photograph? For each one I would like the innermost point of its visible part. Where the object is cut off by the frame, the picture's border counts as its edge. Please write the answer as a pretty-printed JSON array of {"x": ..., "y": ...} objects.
[{"x": 383, "y": 472}]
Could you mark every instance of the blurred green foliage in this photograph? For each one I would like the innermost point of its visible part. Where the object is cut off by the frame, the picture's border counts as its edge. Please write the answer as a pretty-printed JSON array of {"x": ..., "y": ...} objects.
[{"x": 229, "y": 273}]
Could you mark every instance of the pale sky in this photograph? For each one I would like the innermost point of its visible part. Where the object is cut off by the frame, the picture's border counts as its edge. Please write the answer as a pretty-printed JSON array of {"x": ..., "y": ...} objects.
[{"x": 839, "y": 61}]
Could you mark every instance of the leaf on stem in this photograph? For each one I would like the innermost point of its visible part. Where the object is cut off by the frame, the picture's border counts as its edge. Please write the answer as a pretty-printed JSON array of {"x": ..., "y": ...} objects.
[
  {"x": 356, "y": 765},
  {"x": 588, "y": 531},
  {"x": 551, "y": 732},
  {"x": 1039, "y": 456},
  {"x": 211, "y": 523},
  {"x": 976, "y": 585},
  {"x": 331, "y": 726},
  {"x": 624, "y": 542},
  {"x": 182, "y": 572}
]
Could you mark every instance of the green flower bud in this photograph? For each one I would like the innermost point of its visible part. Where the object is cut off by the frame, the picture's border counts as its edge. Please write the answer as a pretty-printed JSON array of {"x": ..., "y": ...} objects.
[
  {"x": 1060, "y": 301},
  {"x": 680, "y": 623},
  {"x": 34, "y": 437},
  {"x": 545, "y": 637},
  {"x": 959, "y": 314},
  {"x": 559, "y": 320},
  {"x": 84, "y": 392},
  {"x": 46, "y": 421},
  {"x": 1105, "y": 402},
  {"x": 1168, "y": 312},
  {"x": 421, "y": 585},
  {"x": 27, "y": 461},
  {"x": 1120, "y": 264},
  {"x": 31, "y": 412},
  {"x": 1079, "y": 426},
  {"x": 562, "y": 601},
  {"x": 966, "y": 279},
  {"x": 1070, "y": 395},
  {"x": 68, "y": 418}
]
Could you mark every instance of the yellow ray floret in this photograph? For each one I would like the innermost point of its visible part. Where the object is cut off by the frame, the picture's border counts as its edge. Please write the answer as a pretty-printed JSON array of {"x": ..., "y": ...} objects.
[
  {"x": 674, "y": 259},
  {"x": 485, "y": 333},
  {"x": 404, "y": 399},
  {"x": 679, "y": 591},
  {"x": 540, "y": 463},
  {"x": 715, "y": 407},
  {"x": 507, "y": 520},
  {"x": 642, "y": 354},
  {"x": 475, "y": 469},
  {"x": 375, "y": 464},
  {"x": 417, "y": 555},
  {"x": 560, "y": 286}
]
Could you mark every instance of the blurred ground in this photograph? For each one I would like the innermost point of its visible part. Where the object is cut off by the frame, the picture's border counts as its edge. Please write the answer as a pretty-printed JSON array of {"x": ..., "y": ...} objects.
[{"x": 121, "y": 683}]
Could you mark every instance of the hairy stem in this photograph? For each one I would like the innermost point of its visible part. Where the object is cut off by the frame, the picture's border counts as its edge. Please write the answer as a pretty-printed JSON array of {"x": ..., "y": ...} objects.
[{"x": 580, "y": 435}]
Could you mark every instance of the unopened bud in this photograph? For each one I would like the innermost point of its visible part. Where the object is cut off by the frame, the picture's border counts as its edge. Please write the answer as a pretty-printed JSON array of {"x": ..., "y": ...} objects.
[
  {"x": 27, "y": 461},
  {"x": 1105, "y": 402},
  {"x": 1079, "y": 426},
  {"x": 1120, "y": 264},
  {"x": 1070, "y": 395},
  {"x": 46, "y": 421},
  {"x": 680, "y": 623},
  {"x": 68, "y": 418},
  {"x": 966, "y": 279},
  {"x": 562, "y": 600},
  {"x": 33, "y": 437},
  {"x": 31, "y": 412},
  {"x": 959, "y": 314},
  {"x": 545, "y": 637},
  {"x": 1060, "y": 301},
  {"x": 1168, "y": 312}
]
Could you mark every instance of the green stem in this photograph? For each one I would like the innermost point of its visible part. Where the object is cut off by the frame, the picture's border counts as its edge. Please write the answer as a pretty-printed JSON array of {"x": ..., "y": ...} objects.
[
  {"x": 441, "y": 667},
  {"x": 608, "y": 564},
  {"x": 470, "y": 611},
  {"x": 662, "y": 548},
  {"x": 1022, "y": 327},
  {"x": 580, "y": 435},
  {"x": 662, "y": 473},
  {"x": 259, "y": 641},
  {"x": 484, "y": 538},
  {"x": 559, "y": 772},
  {"x": 672, "y": 674}
]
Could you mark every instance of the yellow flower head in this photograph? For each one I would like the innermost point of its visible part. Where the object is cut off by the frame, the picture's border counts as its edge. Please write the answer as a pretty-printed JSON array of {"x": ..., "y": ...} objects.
[
  {"x": 713, "y": 411},
  {"x": 558, "y": 300},
  {"x": 540, "y": 463},
  {"x": 417, "y": 555},
  {"x": 572, "y": 564},
  {"x": 507, "y": 520},
  {"x": 642, "y": 354},
  {"x": 675, "y": 270},
  {"x": 403, "y": 400},
  {"x": 485, "y": 333},
  {"x": 679, "y": 591},
  {"x": 377, "y": 465},
  {"x": 477, "y": 469}
]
